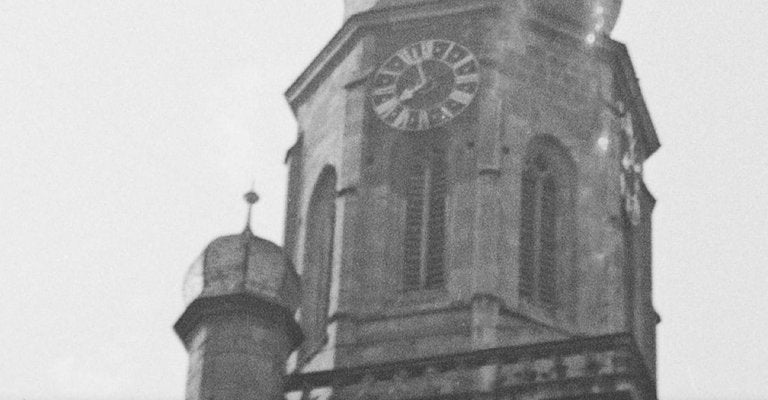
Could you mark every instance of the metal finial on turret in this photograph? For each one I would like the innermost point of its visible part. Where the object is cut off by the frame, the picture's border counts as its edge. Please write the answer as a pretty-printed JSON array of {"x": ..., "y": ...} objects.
[{"x": 251, "y": 198}]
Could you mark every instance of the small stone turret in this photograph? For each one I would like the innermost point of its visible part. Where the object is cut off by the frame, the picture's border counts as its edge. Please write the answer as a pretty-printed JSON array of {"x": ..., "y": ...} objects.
[{"x": 238, "y": 327}]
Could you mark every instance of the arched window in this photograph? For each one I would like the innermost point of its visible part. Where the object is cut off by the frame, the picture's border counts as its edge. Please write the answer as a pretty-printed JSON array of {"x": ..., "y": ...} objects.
[
  {"x": 424, "y": 239},
  {"x": 546, "y": 200},
  {"x": 318, "y": 260}
]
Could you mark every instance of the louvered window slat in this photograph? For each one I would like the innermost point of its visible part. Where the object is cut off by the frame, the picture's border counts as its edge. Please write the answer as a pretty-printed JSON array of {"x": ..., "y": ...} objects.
[
  {"x": 436, "y": 232},
  {"x": 414, "y": 207},
  {"x": 436, "y": 227},
  {"x": 548, "y": 239},
  {"x": 425, "y": 223},
  {"x": 539, "y": 232}
]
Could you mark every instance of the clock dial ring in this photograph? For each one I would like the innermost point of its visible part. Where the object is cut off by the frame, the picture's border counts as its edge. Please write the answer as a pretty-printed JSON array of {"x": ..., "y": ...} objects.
[{"x": 424, "y": 85}]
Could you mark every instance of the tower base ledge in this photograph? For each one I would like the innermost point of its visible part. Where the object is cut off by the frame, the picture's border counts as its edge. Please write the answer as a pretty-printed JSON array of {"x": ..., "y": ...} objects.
[
  {"x": 582, "y": 368},
  {"x": 204, "y": 307}
]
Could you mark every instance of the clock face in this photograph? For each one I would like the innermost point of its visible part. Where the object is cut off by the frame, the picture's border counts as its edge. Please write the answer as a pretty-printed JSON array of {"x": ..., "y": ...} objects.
[{"x": 425, "y": 85}]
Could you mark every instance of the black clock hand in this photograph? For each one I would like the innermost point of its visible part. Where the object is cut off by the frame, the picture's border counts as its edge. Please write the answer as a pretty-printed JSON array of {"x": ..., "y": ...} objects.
[
  {"x": 432, "y": 85},
  {"x": 409, "y": 92}
]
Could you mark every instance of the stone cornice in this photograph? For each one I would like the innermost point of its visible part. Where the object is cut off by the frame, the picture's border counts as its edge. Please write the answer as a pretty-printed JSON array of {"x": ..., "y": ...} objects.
[
  {"x": 205, "y": 307},
  {"x": 611, "y": 359}
]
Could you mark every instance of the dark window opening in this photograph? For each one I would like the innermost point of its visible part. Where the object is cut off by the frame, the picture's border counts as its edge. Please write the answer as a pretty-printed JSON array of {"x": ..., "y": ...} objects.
[
  {"x": 542, "y": 203},
  {"x": 424, "y": 243}
]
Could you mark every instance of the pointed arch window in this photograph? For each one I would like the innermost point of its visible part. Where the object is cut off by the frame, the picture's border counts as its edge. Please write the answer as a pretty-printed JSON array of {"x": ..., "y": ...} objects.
[
  {"x": 424, "y": 243},
  {"x": 545, "y": 200},
  {"x": 318, "y": 260}
]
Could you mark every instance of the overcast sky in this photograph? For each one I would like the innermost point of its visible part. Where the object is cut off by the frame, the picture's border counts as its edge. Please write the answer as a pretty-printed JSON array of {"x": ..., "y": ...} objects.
[{"x": 130, "y": 129}]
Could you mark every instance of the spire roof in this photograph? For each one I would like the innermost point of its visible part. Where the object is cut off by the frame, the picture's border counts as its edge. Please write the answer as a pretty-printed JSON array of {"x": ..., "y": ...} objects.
[
  {"x": 251, "y": 198},
  {"x": 244, "y": 264}
]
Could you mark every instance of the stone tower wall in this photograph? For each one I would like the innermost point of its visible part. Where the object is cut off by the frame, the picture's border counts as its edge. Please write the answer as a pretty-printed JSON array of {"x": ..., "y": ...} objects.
[
  {"x": 537, "y": 83},
  {"x": 236, "y": 356}
]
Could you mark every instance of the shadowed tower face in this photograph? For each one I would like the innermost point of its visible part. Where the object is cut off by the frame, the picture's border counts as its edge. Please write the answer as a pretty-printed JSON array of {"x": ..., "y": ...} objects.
[{"x": 466, "y": 206}]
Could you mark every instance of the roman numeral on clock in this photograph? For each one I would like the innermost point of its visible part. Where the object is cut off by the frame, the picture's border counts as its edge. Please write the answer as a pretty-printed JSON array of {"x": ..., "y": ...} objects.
[
  {"x": 461, "y": 97},
  {"x": 387, "y": 107},
  {"x": 385, "y": 90}
]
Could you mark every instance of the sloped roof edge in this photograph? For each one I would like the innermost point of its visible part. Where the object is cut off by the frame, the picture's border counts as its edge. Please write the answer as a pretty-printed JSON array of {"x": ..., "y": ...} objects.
[{"x": 347, "y": 36}]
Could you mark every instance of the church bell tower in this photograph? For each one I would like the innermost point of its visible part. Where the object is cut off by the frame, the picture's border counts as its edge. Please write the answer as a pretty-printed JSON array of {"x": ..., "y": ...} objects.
[{"x": 466, "y": 208}]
